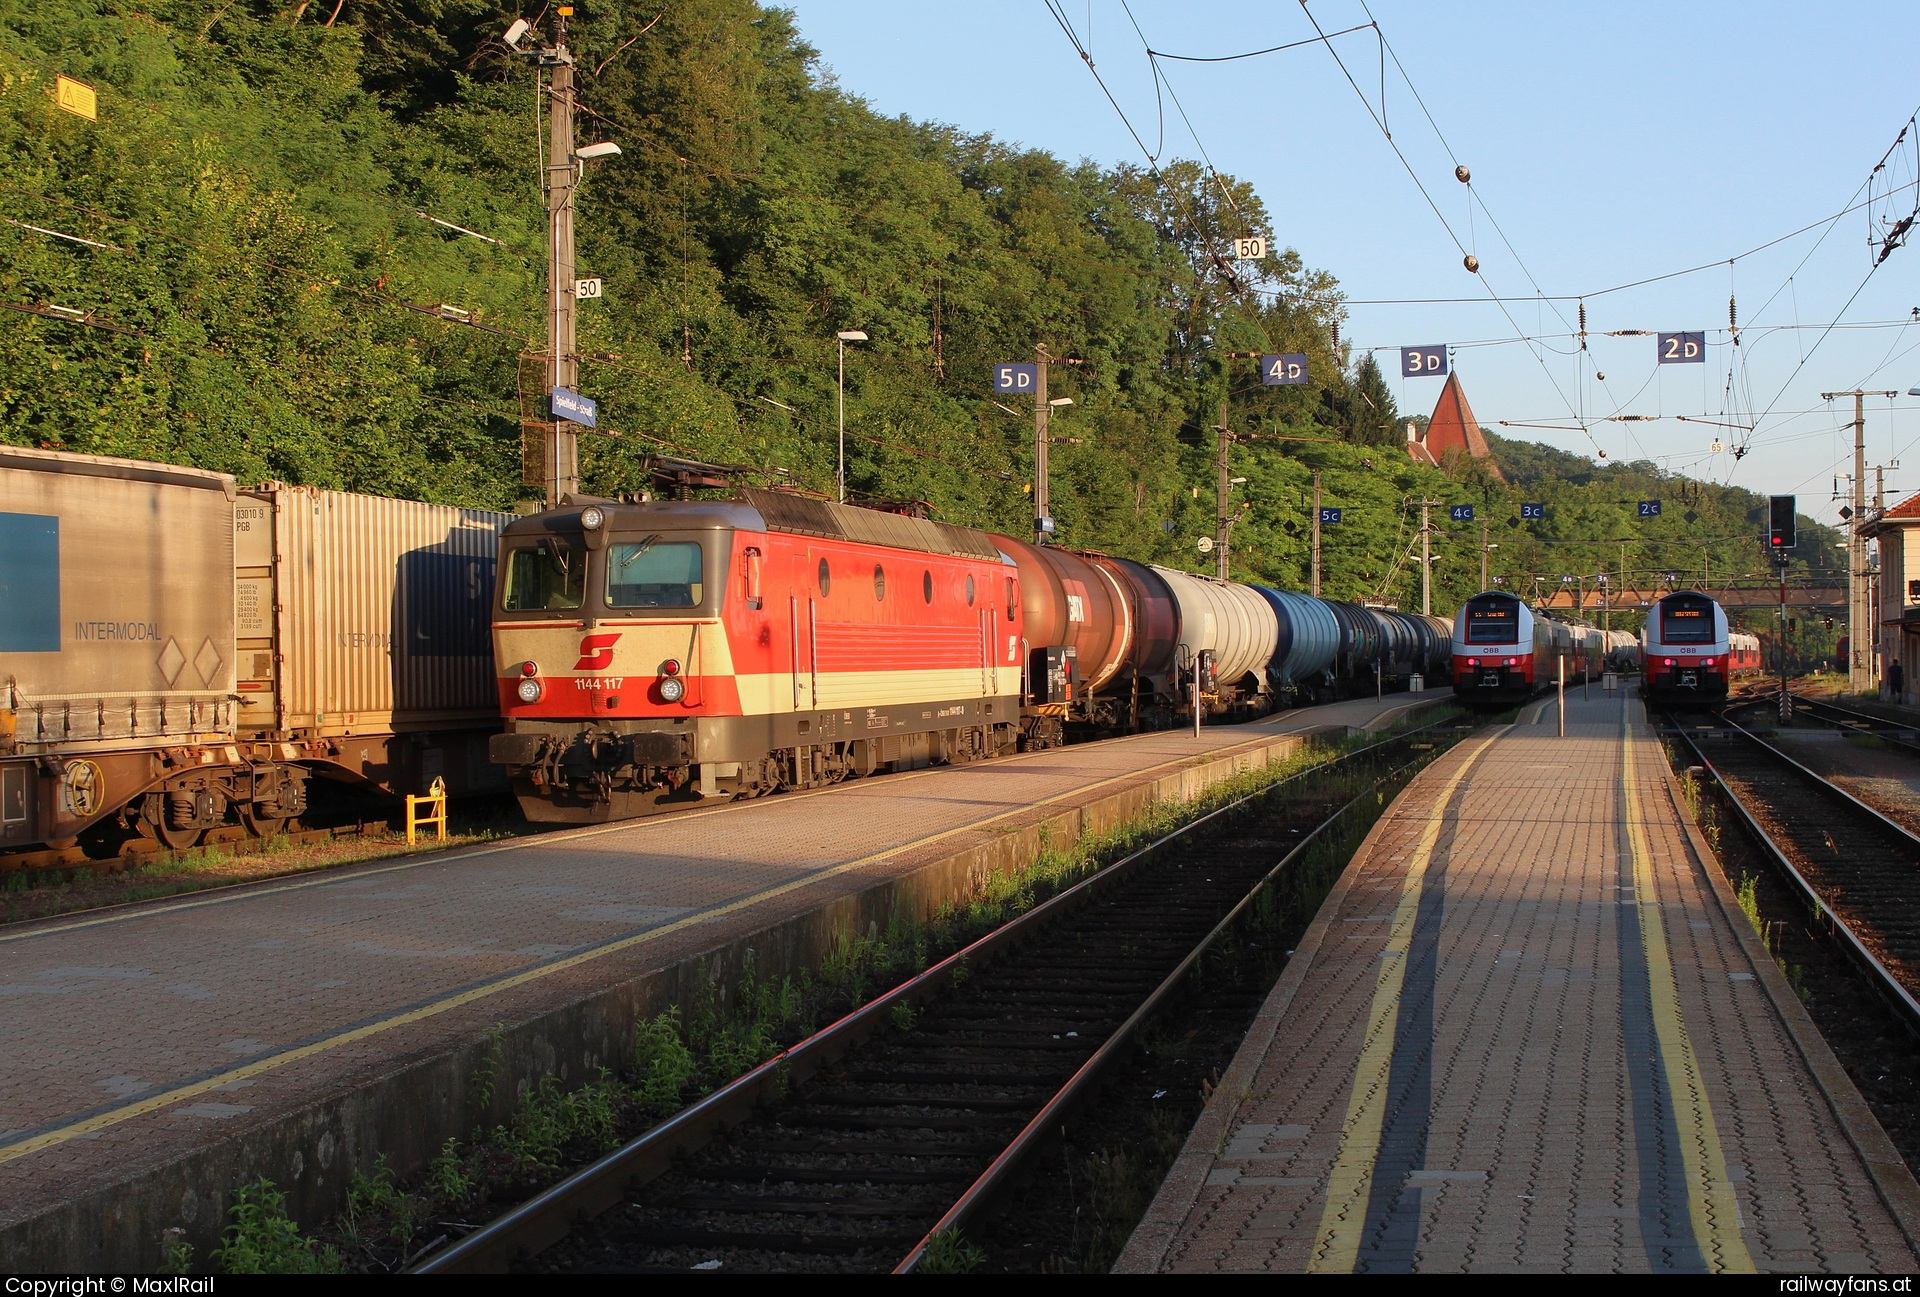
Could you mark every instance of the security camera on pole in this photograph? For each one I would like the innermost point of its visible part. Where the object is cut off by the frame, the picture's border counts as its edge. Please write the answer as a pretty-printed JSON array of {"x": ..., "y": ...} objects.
[{"x": 565, "y": 165}]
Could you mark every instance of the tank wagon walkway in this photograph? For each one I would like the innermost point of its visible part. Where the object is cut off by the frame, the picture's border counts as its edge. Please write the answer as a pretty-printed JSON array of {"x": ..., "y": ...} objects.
[
  {"x": 1531, "y": 1031},
  {"x": 146, "y": 1035}
]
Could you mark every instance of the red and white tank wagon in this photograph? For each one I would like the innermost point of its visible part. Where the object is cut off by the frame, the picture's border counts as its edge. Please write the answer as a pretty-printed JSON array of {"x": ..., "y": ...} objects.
[{"x": 687, "y": 649}]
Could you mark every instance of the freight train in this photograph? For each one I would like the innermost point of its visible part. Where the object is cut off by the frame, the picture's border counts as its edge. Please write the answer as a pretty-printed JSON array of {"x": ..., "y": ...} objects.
[
  {"x": 179, "y": 654},
  {"x": 653, "y": 653},
  {"x": 1504, "y": 652},
  {"x": 1691, "y": 654}
]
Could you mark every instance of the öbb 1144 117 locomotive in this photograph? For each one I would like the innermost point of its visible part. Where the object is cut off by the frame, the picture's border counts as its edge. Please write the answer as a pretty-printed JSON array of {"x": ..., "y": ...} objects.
[{"x": 664, "y": 651}]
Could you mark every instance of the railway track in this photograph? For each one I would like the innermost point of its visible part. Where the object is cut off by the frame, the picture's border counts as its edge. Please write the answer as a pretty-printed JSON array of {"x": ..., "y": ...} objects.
[
  {"x": 1855, "y": 870},
  {"x": 1892, "y": 733},
  {"x": 876, "y": 1139}
]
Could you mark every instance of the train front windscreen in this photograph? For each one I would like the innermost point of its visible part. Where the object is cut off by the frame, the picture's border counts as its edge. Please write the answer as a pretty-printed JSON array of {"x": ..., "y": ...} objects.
[
  {"x": 1687, "y": 621},
  {"x": 1493, "y": 623}
]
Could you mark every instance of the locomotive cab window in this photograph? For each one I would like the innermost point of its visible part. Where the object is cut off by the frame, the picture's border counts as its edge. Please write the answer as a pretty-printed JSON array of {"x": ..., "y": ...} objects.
[
  {"x": 653, "y": 573},
  {"x": 549, "y": 574},
  {"x": 1687, "y": 622}
]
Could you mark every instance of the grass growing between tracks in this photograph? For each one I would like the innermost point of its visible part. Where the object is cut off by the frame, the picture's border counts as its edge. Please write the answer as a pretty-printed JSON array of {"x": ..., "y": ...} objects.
[{"x": 728, "y": 1029}]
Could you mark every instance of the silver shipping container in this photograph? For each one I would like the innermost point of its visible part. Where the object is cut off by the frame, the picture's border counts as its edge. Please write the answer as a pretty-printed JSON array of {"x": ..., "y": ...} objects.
[
  {"x": 116, "y": 604},
  {"x": 363, "y": 615}
]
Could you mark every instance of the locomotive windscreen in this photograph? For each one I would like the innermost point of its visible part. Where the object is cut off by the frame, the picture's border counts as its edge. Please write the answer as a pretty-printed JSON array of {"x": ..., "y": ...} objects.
[
  {"x": 652, "y": 574},
  {"x": 1687, "y": 621},
  {"x": 1493, "y": 623},
  {"x": 551, "y": 573}
]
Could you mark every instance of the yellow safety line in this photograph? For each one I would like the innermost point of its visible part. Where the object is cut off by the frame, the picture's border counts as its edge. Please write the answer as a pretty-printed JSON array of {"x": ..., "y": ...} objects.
[
  {"x": 1350, "y": 1184},
  {"x": 1710, "y": 1198},
  {"x": 101, "y": 1121}
]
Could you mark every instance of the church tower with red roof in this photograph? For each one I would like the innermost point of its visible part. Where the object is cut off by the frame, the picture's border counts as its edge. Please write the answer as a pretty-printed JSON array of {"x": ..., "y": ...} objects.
[{"x": 1452, "y": 428}]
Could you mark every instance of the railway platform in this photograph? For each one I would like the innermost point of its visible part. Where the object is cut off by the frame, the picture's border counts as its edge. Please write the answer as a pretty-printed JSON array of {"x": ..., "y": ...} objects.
[
  {"x": 1530, "y": 1030},
  {"x": 161, "y": 1054}
]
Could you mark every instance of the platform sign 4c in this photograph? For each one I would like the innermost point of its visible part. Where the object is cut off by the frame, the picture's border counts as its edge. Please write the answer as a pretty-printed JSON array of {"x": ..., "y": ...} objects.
[
  {"x": 1016, "y": 379},
  {"x": 1681, "y": 348},
  {"x": 1423, "y": 362},
  {"x": 1461, "y": 512},
  {"x": 1288, "y": 369}
]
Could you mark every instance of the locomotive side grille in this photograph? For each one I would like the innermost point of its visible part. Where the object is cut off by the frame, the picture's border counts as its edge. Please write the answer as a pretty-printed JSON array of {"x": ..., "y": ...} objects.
[{"x": 803, "y": 516}]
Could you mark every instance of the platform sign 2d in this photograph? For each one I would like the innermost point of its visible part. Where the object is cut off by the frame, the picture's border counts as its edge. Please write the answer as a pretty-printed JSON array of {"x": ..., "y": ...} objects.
[
  {"x": 1329, "y": 517},
  {"x": 1423, "y": 362},
  {"x": 1681, "y": 348},
  {"x": 1016, "y": 379},
  {"x": 1461, "y": 512},
  {"x": 1649, "y": 508},
  {"x": 1533, "y": 512},
  {"x": 1288, "y": 369}
]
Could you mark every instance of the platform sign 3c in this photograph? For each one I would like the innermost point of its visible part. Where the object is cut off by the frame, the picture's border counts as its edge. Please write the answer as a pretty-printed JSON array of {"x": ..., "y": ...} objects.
[
  {"x": 1288, "y": 369},
  {"x": 1016, "y": 378},
  {"x": 1681, "y": 348},
  {"x": 1423, "y": 362},
  {"x": 1461, "y": 512},
  {"x": 1533, "y": 511}
]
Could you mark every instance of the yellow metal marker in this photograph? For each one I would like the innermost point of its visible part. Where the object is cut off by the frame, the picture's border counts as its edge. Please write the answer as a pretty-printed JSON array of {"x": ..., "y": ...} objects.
[{"x": 76, "y": 97}]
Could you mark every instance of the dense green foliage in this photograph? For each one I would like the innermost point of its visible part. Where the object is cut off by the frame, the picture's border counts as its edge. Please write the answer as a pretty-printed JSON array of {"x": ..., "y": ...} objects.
[{"x": 261, "y": 171}]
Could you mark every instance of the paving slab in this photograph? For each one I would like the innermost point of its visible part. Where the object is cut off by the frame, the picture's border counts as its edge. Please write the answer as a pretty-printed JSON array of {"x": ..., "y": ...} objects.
[{"x": 1529, "y": 1030}]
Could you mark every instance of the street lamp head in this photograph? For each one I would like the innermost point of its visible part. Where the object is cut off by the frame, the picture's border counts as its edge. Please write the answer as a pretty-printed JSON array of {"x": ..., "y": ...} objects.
[
  {"x": 604, "y": 149},
  {"x": 851, "y": 335},
  {"x": 516, "y": 33},
  {"x": 1235, "y": 481},
  {"x": 1059, "y": 401},
  {"x": 1913, "y": 391}
]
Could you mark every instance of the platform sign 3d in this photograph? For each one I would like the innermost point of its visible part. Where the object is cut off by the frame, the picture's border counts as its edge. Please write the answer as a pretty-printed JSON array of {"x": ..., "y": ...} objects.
[
  {"x": 1533, "y": 511},
  {"x": 1329, "y": 517},
  {"x": 1681, "y": 348},
  {"x": 1017, "y": 379},
  {"x": 1423, "y": 362},
  {"x": 1461, "y": 512},
  {"x": 1649, "y": 508},
  {"x": 1288, "y": 369}
]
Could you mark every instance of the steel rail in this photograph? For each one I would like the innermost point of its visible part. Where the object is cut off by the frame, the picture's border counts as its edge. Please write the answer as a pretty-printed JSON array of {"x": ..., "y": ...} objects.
[
  {"x": 550, "y": 1215},
  {"x": 1858, "y": 722},
  {"x": 1047, "y": 1122},
  {"x": 1897, "y": 996}
]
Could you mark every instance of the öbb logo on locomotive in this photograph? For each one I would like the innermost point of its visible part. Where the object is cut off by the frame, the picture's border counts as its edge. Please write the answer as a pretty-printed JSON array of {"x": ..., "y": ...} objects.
[{"x": 596, "y": 652}]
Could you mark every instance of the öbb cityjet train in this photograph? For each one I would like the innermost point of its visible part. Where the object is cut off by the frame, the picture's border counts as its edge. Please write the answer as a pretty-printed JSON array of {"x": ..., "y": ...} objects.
[
  {"x": 1503, "y": 651},
  {"x": 1689, "y": 651}
]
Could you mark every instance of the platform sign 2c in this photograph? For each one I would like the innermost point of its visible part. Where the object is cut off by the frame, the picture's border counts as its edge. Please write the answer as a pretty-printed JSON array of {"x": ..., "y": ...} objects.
[
  {"x": 1649, "y": 508},
  {"x": 1533, "y": 511},
  {"x": 1461, "y": 512},
  {"x": 1288, "y": 369},
  {"x": 1681, "y": 348},
  {"x": 1423, "y": 362},
  {"x": 1017, "y": 379},
  {"x": 1329, "y": 517}
]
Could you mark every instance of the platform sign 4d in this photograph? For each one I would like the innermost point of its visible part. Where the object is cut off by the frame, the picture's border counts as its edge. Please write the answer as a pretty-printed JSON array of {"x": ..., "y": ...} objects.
[
  {"x": 1681, "y": 348},
  {"x": 1423, "y": 362},
  {"x": 1533, "y": 511},
  {"x": 1461, "y": 512},
  {"x": 1016, "y": 379},
  {"x": 1288, "y": 369}
]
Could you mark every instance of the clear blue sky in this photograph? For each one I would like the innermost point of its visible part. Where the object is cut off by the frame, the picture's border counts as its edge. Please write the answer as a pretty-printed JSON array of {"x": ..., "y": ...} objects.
[{"x": 1611, "y": 142}]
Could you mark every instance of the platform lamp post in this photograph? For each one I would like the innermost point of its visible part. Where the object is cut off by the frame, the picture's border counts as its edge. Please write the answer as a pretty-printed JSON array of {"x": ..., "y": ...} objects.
[
  {"x": 844, "y": 337},
  {"x": 1042, "y": 438}
]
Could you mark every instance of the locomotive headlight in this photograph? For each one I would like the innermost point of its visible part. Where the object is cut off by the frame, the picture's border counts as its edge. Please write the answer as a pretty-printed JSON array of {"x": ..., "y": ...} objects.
[
  {"x": 592, "y": 516},
  {"x": 530, "y": 690},
  {"x": 673, "y": 689}
]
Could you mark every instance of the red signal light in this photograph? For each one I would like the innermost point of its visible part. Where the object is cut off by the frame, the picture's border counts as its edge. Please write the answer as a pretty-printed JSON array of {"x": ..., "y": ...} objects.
[
  {"x": 671, "y": 667},
  {"x": 529, "y": 669}
]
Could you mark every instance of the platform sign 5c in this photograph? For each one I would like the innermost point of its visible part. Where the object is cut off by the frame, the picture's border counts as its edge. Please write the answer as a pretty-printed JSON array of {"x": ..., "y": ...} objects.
[
  {"x": 1016, "y": 378},
  {"x": 1681, "y": 348},
  {"x": 1461, "y": 512},
  {"x": 1288, "y": 369},
  {"x": 1423, "y": 362},
  {"x": 1533, "y": 511},
  {"x": 1649, "y": 508},
  {"x": 1329, "y": 517}
]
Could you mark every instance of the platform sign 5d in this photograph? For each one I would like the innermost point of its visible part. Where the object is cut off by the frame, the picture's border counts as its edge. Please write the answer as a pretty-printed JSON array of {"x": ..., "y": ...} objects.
[
  {"x": 1016, "y": 379},
  {"x": 1329, "y": 517},
  {"x": 1461, "y": 512},
  {"x": 1423, "y": 362},
  {"x": 1288, "y": 369},
  {"x": 1681, "y": 348},
  {"x": 1533, "y": 511}
]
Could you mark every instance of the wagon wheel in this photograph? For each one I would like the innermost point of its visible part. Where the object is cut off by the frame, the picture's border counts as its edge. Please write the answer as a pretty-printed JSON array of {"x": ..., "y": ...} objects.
[
  {"x": 259, "y": 825},
  {"x": 152, "y": 824}
]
